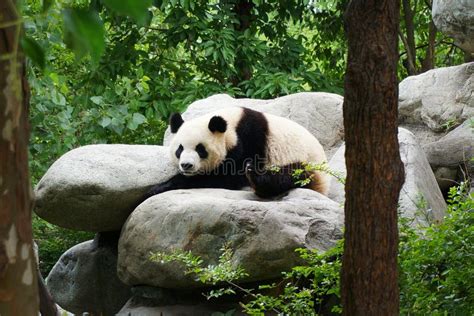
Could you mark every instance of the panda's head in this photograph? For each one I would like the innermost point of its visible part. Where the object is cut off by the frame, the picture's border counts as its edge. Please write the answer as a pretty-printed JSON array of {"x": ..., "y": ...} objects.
[{"x": 198, "y": 146}]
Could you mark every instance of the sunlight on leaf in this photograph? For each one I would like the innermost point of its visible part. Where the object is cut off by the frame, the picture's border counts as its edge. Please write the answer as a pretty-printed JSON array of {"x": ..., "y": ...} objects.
[{"x": 84, "y": 33}]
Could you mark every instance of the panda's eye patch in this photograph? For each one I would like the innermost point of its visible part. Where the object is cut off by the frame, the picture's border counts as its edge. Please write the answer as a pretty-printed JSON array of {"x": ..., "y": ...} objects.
[
  {"x": 179, "y": 151},
  {"x": 201, "y": 150}
]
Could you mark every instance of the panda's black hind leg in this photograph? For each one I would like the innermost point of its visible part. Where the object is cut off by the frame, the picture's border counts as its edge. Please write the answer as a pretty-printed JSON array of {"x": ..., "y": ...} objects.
[{"x": 271, "y": 182}]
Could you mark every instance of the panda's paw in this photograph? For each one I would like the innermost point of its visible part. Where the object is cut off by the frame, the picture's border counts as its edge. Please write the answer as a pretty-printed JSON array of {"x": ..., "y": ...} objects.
[
  {"x": 249, "y": 168},
  {"x": 250, "y": 174},
  {"x": 157, "y": 189}
]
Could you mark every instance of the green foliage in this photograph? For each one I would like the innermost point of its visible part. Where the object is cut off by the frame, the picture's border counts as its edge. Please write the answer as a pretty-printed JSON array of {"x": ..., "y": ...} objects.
[
  {"x": 33, "y": 50},
  {"x": 223, "y": 272},
  {"x": 53, "y": 241},
  {"x": 446, "y": 53},
  {"x": 138, "y": 10},
  {"x": 84, "y": 32},
  {"x": 437, "y": 265},
  {"x": 307, "y": 288},
  {"x": 303, "y": 176},
  {"x": 450, "y": 124}
]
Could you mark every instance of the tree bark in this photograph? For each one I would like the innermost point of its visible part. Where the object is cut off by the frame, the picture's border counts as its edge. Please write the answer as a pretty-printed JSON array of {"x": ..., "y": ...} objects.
[
  {"x": 243, "y": 13},
  {"x": 375, "y": 172},
  {"x": 18, "y": 272}
]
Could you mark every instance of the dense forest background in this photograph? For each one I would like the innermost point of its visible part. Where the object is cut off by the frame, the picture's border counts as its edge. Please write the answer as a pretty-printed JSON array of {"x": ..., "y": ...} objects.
[{"x": 100, "y": 77}]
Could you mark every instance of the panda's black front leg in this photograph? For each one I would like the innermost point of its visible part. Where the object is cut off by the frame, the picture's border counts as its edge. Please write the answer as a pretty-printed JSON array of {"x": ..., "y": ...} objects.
[
  {"x": 180, "y": 181},
  {"x": 174, "y": 183},
  {"x": 270, "y": 183}
]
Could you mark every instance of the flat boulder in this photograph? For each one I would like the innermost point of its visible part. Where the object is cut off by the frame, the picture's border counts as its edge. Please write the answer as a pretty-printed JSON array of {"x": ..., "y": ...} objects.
[
  {"x": 451, "y": 156},
  {"x": 95, "y": 188},
  {"x": 263, "y": 234},
  {"x": 453, "y": 149},
  {"x": 438, "y": 97},
  {"x": 420, "y": 197},
  {"x": 319, "y": 112}
]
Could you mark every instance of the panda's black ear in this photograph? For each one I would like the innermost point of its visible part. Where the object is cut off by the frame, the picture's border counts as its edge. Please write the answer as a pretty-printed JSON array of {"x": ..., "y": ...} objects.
[
  {"x": 217, "y": 124},
  {"x": 175, "y": 122}
]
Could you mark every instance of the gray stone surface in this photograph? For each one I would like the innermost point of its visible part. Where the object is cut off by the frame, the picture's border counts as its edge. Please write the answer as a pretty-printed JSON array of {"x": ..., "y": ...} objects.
[
  {"x": 201, "y": 309},
  {"x": 453, "y": 149},
  {"x": 85, "y": 278},
  {"x": 94, "y": 188},
  {"x": 456, "y": 19},
  {"x": 438, "y": 96},
  {"x": 419, "y": 182},
  {"x": 451, "y": 156},
  {"x": 319, "y": 112},
  {"x": 262, "y": 233},
  {"x": 149, "y": 300}
]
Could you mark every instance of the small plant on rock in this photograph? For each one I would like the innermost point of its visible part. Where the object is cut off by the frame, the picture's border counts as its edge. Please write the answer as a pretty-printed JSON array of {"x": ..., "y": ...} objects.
[{"x": 305, "y": 290}]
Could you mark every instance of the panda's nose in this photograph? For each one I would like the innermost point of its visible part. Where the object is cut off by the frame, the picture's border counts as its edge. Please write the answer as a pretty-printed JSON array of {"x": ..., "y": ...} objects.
[{"x": 186, "y": 166}]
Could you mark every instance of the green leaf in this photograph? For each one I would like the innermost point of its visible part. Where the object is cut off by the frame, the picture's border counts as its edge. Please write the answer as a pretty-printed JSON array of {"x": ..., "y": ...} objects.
[
  {"x": 136, "y": 9},
  {"x": 105, "y": 122},
  {"x": 138, "y": 118},
  {"x": 33, "y": 50},
  {"x": 58, "y": 98},
  {"x": 84, "y": 32},
  {"x": 96, "y": 99}
]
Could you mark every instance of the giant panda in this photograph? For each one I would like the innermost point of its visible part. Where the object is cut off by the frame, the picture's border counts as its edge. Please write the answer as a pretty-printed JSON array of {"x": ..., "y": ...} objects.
[{"x": 237, "y": 147}]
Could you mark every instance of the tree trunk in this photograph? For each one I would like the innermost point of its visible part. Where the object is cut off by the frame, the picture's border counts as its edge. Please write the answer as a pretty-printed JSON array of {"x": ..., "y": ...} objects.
[
  {"x": 243, "y": 13},
  {"x": 375, "y": 172},
  {"x": 18, "y": 275}
]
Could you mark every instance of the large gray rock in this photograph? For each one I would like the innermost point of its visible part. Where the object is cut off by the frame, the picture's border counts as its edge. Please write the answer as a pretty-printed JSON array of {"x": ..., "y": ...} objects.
[
  {"x": 438, "y": 97},
  {"x": 262, "y": 233},
  {"x": 456, "y": 19},
  {"x": 148, "y": 300},
  {"x": 420, "y": 184},
  {"x": 199, "y": 309},
  {"x": 451, "y": 157},
  {"x": 85, "y": 278},
  {"x": 455, "y": 148},
  {"x": 94, "y": 188},
  {"x": 319, "y": 112}
]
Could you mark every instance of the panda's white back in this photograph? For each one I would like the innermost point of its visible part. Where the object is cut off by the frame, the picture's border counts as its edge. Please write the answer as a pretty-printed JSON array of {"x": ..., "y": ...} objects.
[{"x": 288, "y": 142}]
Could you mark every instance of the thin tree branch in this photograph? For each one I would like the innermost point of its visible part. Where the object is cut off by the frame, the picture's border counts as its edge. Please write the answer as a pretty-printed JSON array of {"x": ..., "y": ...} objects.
[
  {"x": 408, "y": 16},
  {"x": 410, "y": 57}
]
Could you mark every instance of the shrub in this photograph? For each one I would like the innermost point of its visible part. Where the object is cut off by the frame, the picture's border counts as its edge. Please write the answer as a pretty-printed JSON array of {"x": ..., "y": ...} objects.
[
  {"x": 53, "y": 241},
  {"x": 437, "y": 263}
]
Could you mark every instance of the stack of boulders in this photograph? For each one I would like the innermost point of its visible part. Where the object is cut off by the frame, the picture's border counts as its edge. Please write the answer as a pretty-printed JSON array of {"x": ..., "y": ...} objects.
[{"x": 98, "y": 188}]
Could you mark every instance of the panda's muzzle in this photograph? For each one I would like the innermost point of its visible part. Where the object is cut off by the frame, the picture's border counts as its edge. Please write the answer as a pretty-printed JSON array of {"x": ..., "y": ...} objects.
[
  {"x": 186, "y": 166},
  {"x": 187, "y": 169},
  {"x": 189, "y": 163}
]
